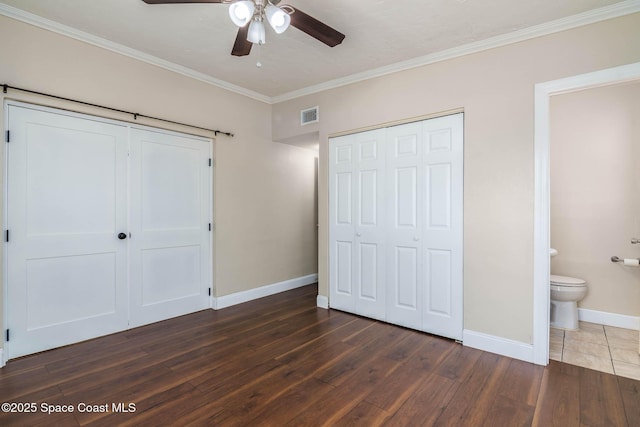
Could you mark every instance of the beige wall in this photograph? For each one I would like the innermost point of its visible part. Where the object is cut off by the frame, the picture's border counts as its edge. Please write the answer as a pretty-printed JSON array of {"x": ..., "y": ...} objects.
[
  {"x": 595, "y": 192},
  {"x": 263, "y": 191},
  {"x": 495, "y": 88}
]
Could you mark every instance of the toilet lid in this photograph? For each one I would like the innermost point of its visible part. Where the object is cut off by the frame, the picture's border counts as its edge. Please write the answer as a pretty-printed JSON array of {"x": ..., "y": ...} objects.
[{"x": 565, "y": 280}]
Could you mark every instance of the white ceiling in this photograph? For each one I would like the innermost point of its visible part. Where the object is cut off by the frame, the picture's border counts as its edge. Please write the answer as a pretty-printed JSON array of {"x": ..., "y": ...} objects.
[{"x": 378, "y": 33}]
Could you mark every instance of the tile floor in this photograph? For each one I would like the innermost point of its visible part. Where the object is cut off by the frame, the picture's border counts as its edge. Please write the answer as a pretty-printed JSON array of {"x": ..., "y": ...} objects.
[{"x": 602, "y": 348}]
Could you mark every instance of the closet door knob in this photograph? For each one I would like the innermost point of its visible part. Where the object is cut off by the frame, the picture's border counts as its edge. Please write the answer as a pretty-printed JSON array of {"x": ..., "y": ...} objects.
[
  {"x": 358, "y": 234},
  {"x": 122, "y": 236},
  {"x": 415, "y": 239}
]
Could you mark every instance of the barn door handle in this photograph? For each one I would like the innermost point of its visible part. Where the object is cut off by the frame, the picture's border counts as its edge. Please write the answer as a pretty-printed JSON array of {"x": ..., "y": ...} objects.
[{"x": 122, "y": 236}]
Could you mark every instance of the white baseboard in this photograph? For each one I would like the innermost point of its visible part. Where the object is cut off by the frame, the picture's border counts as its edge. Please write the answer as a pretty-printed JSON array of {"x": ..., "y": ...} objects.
[
  {"x": 609, "y": 319},
  {"x": 498, "y": 345},
  {"x": 2, "y": 361},
  {"x": 263, "y": 291},
  {"x": 322, "y": 301}
]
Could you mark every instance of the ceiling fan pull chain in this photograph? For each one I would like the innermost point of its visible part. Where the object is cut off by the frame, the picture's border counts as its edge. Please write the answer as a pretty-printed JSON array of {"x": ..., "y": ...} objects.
[{"x": 259, "y": 63}]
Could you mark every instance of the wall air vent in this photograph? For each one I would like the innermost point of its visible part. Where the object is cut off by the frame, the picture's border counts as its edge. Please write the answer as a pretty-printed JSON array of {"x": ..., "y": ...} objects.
[{"x": 309, "y": 115}]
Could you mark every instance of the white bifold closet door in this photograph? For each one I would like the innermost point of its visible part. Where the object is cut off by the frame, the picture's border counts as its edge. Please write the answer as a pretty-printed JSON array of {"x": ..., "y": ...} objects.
[
  {"x": 357, "y": 254},
  {"x": 418, "y": 206},
  {"x": 108, "y": 227}
]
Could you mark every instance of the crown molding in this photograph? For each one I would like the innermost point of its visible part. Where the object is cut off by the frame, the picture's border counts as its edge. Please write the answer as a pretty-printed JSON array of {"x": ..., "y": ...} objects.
[
  {"x": 46, "y": 24},
  {"x": 590, "y": 17}
]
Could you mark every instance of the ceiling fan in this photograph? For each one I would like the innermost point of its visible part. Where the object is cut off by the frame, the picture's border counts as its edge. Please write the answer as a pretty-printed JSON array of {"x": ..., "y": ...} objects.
[{"x": 255, "y": 12}]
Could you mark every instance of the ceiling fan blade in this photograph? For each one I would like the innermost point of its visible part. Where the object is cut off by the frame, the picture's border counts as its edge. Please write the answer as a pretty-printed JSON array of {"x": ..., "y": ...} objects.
[
  {"x": 242, "y": 46},
  {"x": 182, "y": 1},
  {"x": 316, "y": 29}
]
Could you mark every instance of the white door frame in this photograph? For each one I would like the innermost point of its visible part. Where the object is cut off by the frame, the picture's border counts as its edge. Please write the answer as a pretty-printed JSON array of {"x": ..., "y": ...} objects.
[
  {"x": 541, "y": 237},
  {"x": 5, "y": 319}
]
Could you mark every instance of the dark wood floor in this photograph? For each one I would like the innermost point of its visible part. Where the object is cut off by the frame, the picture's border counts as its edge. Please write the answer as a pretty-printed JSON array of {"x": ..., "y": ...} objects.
[{"x": 281, "y": 361}]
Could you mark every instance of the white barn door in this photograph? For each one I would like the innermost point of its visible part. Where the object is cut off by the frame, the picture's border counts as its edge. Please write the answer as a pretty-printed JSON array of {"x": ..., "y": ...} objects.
[
  {"x": 108, "y": 227},
  {"x": 170, "y": 239},
  {"x": 67, "y": 202}
]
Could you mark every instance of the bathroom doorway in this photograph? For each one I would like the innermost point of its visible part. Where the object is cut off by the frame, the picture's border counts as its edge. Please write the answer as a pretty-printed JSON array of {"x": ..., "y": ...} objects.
[
  {"x": 544, "y": 93},
  {"x": 594, "y": 214}
]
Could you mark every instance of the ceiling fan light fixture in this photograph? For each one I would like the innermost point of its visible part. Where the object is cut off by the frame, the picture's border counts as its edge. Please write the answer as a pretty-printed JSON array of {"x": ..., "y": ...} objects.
[
  {"x": 256, "y": 32},
  {"x": 241, "y": 12},
  {"x": 250, "y": 16},
  {"x": 278, "y": 18}
]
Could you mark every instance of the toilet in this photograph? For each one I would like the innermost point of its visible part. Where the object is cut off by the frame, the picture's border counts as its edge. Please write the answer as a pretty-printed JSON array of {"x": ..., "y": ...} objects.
[{"x": 565, "y": 294}]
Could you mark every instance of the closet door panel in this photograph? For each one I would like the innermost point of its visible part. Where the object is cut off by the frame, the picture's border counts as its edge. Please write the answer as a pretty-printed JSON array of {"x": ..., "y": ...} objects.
[
  {"x": 357, "y": 261},
  {"x": 442, "y": 232},
  {"x": 438, "y": 196},
  {"x": 404, "y": 206},
  {"x": 438, "y": 281},
  {"x": 406, "y": 198},
  {"x": 369, "y": 231},
  {"x": 368, "y": 261},
  {"x": 344, "y": 202},
  {"x": 341, "y": 223},
  {"x": 344, "y": 268},
  {"x": 368, "y": 201},
  {"x": 406, "y": 280}
]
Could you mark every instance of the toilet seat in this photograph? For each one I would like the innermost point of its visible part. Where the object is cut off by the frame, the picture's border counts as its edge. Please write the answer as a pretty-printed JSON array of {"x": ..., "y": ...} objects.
[{"x": 557, "y": 280}]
